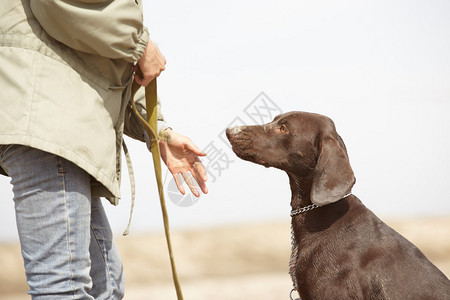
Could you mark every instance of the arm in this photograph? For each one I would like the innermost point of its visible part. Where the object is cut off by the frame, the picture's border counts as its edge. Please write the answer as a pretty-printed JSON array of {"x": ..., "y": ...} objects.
[
  {"x": 112, "y": 29},
  {"x": 177, "y": 151}
]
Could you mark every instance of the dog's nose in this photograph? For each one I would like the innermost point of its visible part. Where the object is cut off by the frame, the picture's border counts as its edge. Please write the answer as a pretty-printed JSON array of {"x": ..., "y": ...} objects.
[
  {"x": 234, "y": 130},
  {"x": 231, "y": 132}
]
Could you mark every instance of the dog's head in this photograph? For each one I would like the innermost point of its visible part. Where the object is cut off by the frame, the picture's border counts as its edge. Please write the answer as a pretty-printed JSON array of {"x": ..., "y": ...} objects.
[{"x": 304, "y": 144}]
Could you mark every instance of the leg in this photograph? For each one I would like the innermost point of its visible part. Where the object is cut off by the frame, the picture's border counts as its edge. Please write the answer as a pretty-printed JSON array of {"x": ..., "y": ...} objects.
[
  {"x": 53, "y": 213},
  {"x": 106, "y": 270}
]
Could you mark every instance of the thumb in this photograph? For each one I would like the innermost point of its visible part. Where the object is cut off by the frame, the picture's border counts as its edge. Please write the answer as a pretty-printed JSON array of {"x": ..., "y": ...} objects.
[
  {"x": 138, "y": 79},
  {"x": 195, "y": 149}
]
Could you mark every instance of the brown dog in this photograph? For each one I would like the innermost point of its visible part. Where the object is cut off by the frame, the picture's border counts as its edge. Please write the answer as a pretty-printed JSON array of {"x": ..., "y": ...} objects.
[{"x": 341, "y": 249}]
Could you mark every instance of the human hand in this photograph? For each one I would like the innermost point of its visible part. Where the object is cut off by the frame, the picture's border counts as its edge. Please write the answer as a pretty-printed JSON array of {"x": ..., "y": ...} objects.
[
  {"x": 182, "y": 156},
  {"x": 151, "y": 64}
]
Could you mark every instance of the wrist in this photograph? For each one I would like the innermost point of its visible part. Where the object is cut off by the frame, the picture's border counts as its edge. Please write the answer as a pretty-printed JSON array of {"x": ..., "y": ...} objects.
[{"x": 165, "y": 134}]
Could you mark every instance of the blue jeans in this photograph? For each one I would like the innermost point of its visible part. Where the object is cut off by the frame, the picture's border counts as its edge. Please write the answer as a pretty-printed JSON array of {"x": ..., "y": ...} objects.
[{"x": 66, "y": 241}]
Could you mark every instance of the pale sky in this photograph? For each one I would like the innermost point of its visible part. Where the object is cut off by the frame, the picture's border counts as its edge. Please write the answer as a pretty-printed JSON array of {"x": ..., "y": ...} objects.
[{"x": 379, "y": 69}]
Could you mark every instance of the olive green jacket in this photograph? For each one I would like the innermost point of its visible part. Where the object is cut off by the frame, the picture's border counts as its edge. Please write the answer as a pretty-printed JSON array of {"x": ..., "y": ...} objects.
[{"x": 65, "y": 76}]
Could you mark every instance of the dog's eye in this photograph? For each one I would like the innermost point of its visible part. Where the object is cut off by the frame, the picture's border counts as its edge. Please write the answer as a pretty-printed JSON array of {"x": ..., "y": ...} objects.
[{"x": 283, "y": 129}]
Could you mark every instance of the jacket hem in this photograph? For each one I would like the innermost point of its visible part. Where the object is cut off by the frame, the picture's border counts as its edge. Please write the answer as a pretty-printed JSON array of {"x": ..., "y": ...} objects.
[{"x": 109, "y": 186}]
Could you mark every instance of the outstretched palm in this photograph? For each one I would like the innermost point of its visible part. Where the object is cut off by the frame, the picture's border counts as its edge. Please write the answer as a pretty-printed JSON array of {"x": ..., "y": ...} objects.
[{"x": 182, "y": 157}]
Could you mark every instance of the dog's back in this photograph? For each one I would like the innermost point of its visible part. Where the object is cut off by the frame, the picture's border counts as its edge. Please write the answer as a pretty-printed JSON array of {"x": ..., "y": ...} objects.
[{"x": 354, "y": 255}]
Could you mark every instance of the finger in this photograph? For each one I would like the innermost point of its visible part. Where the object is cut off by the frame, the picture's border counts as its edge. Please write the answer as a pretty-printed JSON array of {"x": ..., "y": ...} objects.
[
  {"x": 199, "y": 173},
  {"x": 200, "y": 181},
  {"x": 192, "y": 147},
  {"x": 188, "y": 177},
  {"x": 190, "y": 183},
  {"x": 179, "y": 183},
  {"x": 161, "y": 58},
  {"x": 147, "y": 78},
  {"x": 200, "y": 169},
  {"x": 144, "y": 81},
  {"x": 138, "y": 79}
]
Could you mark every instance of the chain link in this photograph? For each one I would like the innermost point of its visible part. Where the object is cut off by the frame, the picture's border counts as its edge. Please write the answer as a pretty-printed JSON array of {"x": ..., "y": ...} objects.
[
  {"x": 303, "y": 209},
  {"x": 309, "y": 207}
]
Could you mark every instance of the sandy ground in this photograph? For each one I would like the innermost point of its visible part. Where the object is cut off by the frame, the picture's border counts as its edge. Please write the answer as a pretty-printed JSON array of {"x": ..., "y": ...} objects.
[{"x": 232, "y": 263}]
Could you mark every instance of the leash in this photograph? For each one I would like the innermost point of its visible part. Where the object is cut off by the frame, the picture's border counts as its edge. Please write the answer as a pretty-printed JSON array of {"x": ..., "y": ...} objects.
[{"x": 150, "y": 126}]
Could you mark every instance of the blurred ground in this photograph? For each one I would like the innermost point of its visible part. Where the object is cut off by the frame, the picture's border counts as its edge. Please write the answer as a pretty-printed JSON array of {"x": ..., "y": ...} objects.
[{"x": 231, "y": 263}]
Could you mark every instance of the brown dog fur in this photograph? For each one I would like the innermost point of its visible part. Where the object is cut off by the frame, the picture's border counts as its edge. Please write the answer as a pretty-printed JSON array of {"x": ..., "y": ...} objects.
[{"x": 342, "y": 250}]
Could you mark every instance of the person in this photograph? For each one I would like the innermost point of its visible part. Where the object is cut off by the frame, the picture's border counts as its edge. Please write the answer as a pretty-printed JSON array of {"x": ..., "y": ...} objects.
[{"x": 66, "y": 74}]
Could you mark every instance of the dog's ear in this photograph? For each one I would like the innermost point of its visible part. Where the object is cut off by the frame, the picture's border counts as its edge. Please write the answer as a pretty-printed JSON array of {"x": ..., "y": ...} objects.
[{"x": 333, "y": 176}]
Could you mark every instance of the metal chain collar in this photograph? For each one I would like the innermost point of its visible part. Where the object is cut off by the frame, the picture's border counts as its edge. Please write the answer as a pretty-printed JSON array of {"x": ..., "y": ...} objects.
[
  {"x": 298, "y": 212},
  {"x": 303, "y": 209},
  {"x": 309, "y": 207}
]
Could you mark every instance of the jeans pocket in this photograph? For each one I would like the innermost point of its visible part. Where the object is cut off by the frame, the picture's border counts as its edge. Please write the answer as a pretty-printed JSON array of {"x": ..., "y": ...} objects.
[{"x": 4, "y": 149}]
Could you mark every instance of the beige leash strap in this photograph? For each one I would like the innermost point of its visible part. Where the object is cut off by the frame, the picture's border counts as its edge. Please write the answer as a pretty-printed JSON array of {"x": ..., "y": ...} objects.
[{"x": 150, "y": 126}]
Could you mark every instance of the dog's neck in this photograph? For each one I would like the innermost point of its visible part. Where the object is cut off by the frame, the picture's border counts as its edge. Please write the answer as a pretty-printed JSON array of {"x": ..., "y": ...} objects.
[
  {"x": 301, "y": 190},
  {"x": 319, "y": 219}
]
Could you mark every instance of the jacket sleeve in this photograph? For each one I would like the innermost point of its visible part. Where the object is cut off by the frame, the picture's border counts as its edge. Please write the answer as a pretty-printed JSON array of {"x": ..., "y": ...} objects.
[
  {"x": 133, "y": 126},
  {"x": 109, "y": 28}
]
